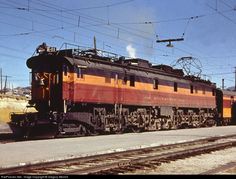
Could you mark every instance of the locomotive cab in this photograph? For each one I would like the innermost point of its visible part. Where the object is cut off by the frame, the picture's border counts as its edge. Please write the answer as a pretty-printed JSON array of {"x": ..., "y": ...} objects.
[
  {"x": 46, "y": 82},
  {"x": 46, "y": 87}
]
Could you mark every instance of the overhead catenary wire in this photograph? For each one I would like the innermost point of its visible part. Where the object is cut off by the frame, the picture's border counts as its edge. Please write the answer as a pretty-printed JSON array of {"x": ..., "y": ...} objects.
[
  {"x": 32, "y": 31},
  {"x": 90, "y": 29},
  {"x": 222, "y": 14},
  {"x": 214, "y": 74},
  {"x": 101, "y": 22},
  {"x": 104, "y": 34},
  {"x": 81, "y": 16},
  {"x": 178, "y": 49},
  {"x": 173, "y": 20},
  {"x": 177, "y": 19},
  {"x": 77, "y": 9},
  {"x": 226, "y": 4},
  {"x": 58, "y": 28},
  {"x": 195, "y": 17}
]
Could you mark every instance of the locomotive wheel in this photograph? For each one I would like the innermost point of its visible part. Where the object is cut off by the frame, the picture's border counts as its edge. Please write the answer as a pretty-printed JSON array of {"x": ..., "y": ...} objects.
[
  {"x": 26, "y": 134},
  {"x": 82, "y": 131},
  {"x": 136, "y": 129}
]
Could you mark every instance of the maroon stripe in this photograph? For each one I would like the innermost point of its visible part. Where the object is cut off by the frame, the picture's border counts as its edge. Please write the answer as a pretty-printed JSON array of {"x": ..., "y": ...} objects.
[
  {"x": 227, "y": 103},
  {"x": 99, "y": 94}
]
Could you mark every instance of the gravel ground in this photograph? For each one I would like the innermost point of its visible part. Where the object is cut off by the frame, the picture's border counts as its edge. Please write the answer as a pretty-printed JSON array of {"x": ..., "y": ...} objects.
[{"x": 196, "y": 165}]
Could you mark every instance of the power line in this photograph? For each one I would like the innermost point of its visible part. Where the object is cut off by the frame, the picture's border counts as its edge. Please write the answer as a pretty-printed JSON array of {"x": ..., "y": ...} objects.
[
  {"x": 220, "y": 13},
  {"x": 14, "y": 49},
  {"x": 113, "y": 37},
  {"x": 228, "y": 73},
  {"x": 19, "y": 57},
  {"x": 59, "y": 20},
  {"x": 40, "y": 32},
  {"x": 223, "y": 2},
  {"x": 96, "y": 19},
  {"x": 11, "y": 56},
  {"x": 18, "y": 34},
  {"x": 161, "y": 21},
  {"x": 107, "y": 34},
  {"x": 65, "y": 10},
  {"x": 104, "y": 23},
  {"x": 235, "y": 80},
  {"x": 86, "y": 28},
  {"x": 172, "y": 20}
]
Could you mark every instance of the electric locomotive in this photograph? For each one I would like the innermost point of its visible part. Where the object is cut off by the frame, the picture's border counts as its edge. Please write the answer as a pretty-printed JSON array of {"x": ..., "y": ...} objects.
[{"x": 85, "y": 92}]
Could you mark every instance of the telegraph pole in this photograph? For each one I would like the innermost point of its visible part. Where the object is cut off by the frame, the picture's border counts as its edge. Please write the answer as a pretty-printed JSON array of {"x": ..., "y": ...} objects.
[
  {"x": 235, "y": 79},
  {"x": 5, "y": 87},
  {"x": 95, "y": 45},
  {"x": 1, "y": 79},
  {"x": 223, "y": 84}
]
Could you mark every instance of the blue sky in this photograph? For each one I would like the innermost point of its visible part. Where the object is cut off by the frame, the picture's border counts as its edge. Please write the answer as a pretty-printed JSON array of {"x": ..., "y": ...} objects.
[{"x": 207, "y": 26}]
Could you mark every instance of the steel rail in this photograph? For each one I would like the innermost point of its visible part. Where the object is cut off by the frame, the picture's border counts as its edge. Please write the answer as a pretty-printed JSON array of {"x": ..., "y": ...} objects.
[
  {"x": 107, "y": 168},
  {"x": 122, "y": 159}
]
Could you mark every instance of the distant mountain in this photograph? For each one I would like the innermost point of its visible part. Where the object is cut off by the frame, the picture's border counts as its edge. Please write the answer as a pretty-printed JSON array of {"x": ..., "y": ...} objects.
[
  {"x": 231, "y": 88},
  {"x": 23, "y": 88}
]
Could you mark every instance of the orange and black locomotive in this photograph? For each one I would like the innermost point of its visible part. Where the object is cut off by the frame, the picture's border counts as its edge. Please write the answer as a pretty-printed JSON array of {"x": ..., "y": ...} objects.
[{"x": 83, "y": 92}]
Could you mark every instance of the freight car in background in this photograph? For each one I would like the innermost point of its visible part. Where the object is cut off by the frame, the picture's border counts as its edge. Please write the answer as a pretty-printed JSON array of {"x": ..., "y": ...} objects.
[{"x": 83, "y": 92}]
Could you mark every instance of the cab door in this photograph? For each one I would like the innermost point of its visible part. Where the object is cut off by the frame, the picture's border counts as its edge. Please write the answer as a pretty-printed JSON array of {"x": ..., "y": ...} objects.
[{"x": 56, "y": 91}]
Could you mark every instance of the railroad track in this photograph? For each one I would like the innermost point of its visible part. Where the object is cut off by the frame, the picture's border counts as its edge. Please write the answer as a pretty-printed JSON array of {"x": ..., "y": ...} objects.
[
  {"x": 6, "y": 138},
  {"x": 126, "y": 161},
  {"x": 10, "y": 138}
]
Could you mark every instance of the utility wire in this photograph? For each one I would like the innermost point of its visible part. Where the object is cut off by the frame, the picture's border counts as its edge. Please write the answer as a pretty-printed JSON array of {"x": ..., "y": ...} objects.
[
  {"x": 14, "y": 49},
  {"x": 172, "y": 20},
  {"x": 213, "y": 74},
  {"x": 65, "y": 10},
  {"x": 39, "y": 32},
  {"x": 223, "y": 2},
  {"x": 105, "y": 23},
  {"x": 176, "y": 48},
  {"x": 185, "y": 29},
  {"x": 59, "y": 20},
  {"x": 99, "y": 20},
  {"x": 220, "y": 13}
]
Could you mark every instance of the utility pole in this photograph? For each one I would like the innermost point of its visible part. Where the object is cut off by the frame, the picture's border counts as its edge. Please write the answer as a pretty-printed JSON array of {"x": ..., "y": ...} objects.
[
  {"x": 5, "y": 85},
  {"x": 235, "y": 79},
  {"x": 1, "y": 79},
  {"x": 223, "y": 84},
  {"x": 95, "y": 45}
]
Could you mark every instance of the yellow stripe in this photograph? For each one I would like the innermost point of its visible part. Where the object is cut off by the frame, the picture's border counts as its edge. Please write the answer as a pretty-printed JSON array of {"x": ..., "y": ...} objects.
[
  {"x": 226, "y": 98},
  {"x": 227, "y": 112}
]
